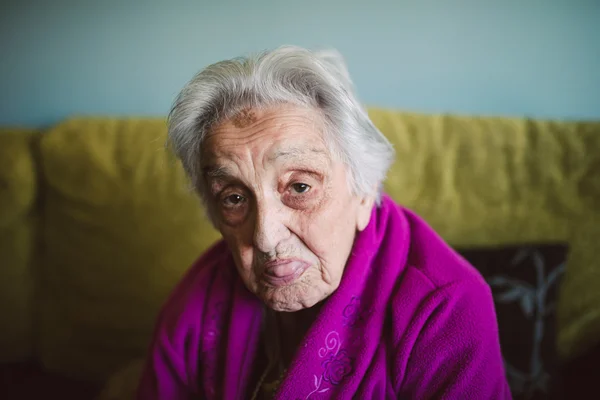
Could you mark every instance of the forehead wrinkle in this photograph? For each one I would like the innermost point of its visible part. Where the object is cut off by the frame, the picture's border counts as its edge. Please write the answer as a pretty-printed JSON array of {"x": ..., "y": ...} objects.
[
  {"x": 247, "y": 147},
  {"x": 267, "y": 122},
  {"x": 232, "y": 136}
]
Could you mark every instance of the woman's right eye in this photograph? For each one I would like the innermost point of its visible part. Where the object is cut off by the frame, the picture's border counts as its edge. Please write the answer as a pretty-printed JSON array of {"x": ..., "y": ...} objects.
[{"x": 233, "y": 200}]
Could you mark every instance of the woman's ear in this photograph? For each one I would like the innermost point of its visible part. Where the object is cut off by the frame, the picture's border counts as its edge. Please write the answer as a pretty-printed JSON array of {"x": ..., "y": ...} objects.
[{"x": 365, "y": 208}]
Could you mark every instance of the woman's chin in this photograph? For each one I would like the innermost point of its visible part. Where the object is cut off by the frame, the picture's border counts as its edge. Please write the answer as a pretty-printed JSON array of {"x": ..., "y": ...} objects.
[
  {"x": 284, "y": 307},
  {"x": 291, "y": 298}
]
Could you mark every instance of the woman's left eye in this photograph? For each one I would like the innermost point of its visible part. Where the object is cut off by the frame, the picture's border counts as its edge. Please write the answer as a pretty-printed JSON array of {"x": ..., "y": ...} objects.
[{"x": 300, "y": 187}]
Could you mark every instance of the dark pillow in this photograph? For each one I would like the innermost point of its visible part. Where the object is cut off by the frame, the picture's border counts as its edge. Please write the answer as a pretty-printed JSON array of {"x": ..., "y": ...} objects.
[{"x": 525, "y": 282}]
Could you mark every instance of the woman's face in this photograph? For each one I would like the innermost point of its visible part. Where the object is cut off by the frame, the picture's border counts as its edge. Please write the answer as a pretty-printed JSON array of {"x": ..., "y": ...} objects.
[{"x": 282, "y": 204}]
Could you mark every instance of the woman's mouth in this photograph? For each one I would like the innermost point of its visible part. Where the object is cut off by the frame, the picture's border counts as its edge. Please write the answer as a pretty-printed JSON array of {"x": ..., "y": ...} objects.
[{"x": 284, "y": 272}]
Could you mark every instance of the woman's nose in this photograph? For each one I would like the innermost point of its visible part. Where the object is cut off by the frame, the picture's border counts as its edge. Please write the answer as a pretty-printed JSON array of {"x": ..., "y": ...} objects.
[{"x": 269, "y": 227}]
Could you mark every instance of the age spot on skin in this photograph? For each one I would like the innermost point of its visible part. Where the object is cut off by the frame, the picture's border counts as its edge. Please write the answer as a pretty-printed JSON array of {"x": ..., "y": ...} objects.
[{"x": 244, "y": 119}]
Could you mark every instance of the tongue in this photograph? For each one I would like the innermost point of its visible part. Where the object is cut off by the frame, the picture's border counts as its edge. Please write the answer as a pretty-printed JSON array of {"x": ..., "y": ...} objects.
[{"x": 282, "y": 270}]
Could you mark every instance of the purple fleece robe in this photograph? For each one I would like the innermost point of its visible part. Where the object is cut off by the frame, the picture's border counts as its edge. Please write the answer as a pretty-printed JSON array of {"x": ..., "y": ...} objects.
[{"x": 411, "y": 319}]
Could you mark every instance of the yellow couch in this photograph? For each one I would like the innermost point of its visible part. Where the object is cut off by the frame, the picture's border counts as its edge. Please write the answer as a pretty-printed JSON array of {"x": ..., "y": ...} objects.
[{"x": 97, "y": 222}]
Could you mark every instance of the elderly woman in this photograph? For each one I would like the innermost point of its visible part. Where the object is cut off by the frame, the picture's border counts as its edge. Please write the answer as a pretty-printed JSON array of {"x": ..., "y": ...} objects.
[{"x": 322, "y": 286}]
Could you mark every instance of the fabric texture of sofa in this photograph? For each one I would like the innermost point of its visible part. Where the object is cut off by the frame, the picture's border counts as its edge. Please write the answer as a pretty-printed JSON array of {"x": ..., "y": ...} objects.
[{"x": 98, "y": 222}]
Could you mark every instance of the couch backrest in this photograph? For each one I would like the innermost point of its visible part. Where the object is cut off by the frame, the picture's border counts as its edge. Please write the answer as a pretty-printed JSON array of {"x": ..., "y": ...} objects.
[
  {"x": 120, "y": 225},
  {"x": 494, "y": 180}
]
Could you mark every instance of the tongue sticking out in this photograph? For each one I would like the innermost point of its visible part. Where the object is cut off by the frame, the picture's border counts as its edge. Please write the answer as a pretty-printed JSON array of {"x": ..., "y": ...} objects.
[{"x": 284, "y": 272}]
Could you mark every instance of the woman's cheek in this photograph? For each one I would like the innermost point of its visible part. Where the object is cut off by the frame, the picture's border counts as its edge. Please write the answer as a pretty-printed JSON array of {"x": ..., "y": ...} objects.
[
  {"x": 295, "y": 202},
  {"x": 306, "y": 202},
  {"x": 241, "y": 253},
  {"x": 234, "y": 217},
  {"x": 313, "y": 235}
]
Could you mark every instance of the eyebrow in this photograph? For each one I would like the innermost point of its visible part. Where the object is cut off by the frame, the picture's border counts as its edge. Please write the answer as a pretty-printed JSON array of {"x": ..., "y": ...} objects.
[
  {"x": 296, "y": 152},
  {"x": 217, "y": 172}
]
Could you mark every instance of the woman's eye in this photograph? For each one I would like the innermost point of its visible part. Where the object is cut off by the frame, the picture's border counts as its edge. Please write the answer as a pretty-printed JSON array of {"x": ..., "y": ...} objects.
[
  {"x": 300, "y": 187},
  {"x": 233, "y": 200}
]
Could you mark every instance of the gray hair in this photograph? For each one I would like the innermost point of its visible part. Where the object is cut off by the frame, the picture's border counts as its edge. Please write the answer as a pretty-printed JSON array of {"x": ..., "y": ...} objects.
[{"x": 287, "y": 75}]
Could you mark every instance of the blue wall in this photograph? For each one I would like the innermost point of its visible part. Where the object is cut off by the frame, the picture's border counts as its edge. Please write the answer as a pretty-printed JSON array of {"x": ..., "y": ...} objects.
[{"x": 538, "y": 58}]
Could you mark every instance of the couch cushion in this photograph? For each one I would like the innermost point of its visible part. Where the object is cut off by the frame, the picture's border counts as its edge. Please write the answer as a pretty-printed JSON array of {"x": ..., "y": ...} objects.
[
  {"x": 120, "y": 227},
  {"x": 17, "y": 238}
]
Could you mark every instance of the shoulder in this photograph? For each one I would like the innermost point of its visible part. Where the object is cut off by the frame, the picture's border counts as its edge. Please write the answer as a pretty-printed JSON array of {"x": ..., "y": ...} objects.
[
  {"x": 443, "y": 309},
  {"x": 434, "y": 258},
  {"x": 172, "y": 363},
  {"x": 444, "y": 324},
  {"x": 438, "y": 285}
]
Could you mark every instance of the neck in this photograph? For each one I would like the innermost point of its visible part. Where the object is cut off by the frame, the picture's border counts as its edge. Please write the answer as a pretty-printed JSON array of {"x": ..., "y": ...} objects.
[{"x": 291, "y": 327}]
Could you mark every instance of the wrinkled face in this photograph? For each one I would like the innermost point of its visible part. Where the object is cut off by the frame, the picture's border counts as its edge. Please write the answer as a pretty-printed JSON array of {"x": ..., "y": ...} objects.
[{"x": 282, "y": 204}]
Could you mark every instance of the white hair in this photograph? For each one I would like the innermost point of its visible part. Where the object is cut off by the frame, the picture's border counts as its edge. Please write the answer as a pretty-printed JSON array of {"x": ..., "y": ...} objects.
[{"x": 287, "y": 75}]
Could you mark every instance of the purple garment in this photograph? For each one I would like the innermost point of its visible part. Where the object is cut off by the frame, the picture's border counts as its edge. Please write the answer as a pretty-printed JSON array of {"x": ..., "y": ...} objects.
[{"x": 411, "y": 319}]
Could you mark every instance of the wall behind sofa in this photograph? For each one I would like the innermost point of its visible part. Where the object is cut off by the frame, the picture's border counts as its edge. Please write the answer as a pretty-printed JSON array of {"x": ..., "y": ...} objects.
[{"x": 537, "y": 58}]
